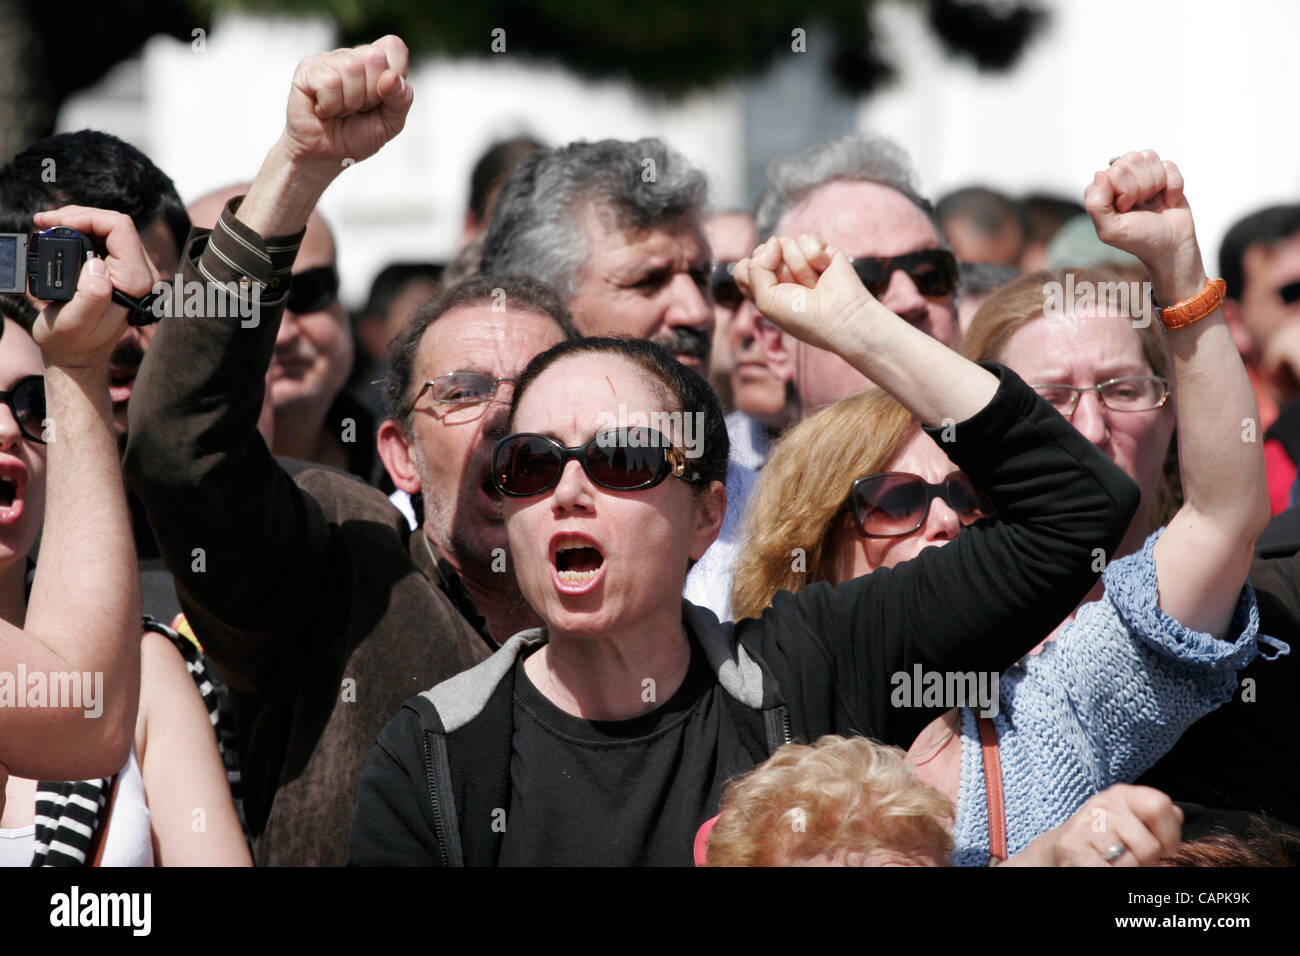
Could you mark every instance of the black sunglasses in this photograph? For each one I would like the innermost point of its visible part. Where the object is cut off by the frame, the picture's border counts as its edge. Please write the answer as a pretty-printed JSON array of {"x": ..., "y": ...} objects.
[
  {"x": 723, "y": 282},
  {"x": 934, "y": 271},
  {"x": 312, "y": 290},
  {"x": 620, "y": 459},
  {"x": 27, "y": 402},
  {"x": 894, "y": 503}
]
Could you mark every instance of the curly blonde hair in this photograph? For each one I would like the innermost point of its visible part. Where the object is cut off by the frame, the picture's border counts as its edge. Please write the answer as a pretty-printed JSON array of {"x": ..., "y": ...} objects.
[
  {"x": 804, "y": 484},
  {"x": 850, "y": 795}
]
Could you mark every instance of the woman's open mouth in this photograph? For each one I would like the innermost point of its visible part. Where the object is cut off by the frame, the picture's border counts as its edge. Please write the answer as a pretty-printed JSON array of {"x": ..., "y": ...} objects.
[
  {"x": 577, "y": 563},
  {"x": 11, "y": 496}
]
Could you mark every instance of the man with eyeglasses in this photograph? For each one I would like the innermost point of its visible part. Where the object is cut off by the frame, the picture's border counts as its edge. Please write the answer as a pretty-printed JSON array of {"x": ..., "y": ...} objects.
[
  {"x": 315, "y": 418},
  {"x": 858, "y": 194}
]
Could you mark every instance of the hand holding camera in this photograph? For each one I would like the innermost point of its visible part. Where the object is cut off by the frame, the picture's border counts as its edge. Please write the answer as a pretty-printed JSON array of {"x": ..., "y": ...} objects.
[{"x": 81, "y": 330}]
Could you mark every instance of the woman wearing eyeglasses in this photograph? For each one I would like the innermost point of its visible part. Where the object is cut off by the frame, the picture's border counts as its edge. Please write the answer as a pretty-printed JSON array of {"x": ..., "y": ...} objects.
[
  {"x": 607, "y": 736},
  {"x": 1105, "y": 369}
]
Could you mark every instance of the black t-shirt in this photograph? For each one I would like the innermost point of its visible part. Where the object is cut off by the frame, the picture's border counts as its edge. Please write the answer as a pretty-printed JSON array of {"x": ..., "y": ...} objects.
[{"x": 618, "y": 792}]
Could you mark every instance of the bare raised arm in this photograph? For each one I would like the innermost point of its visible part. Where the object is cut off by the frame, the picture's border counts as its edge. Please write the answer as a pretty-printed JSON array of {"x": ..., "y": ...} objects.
[
  {"x": 810, "y": 290},
  {"x": 84, "y": 613},
  {"x": 1202, "y": 559}
]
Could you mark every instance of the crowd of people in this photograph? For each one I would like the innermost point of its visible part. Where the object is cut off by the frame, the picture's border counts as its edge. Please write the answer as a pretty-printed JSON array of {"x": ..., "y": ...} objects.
[{"x": 849, "y": 530}]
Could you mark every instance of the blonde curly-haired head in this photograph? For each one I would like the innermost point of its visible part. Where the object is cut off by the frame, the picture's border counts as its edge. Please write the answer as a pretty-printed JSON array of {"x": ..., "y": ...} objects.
[{"x": 842, "y": 800}]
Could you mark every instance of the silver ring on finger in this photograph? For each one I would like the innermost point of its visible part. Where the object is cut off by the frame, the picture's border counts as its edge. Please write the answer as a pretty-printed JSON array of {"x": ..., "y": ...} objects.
[{"x": 1113, "y": 853}]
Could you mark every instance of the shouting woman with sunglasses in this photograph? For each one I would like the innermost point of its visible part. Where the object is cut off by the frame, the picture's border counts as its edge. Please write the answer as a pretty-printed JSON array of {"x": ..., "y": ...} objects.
[
  {"x": 1131, "y": 671},
  {"x": 607, "y": 736}
]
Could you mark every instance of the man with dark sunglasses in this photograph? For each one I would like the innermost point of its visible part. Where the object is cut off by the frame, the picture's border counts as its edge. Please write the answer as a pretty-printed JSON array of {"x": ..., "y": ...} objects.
[
  {"x": 858, "y": 194},
  {"x": 732, "y": 237},
  {"x": 316, "y": 419}
]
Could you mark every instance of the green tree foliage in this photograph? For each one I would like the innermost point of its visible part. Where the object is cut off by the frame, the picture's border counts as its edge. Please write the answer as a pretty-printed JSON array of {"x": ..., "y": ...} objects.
[{"x": 665, "y": 46}]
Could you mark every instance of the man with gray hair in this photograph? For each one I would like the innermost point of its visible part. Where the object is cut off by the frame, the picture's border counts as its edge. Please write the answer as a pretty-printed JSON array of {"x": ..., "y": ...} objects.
[
  {"x": 614, "y": 227},
  {"x": 858, "y": 193}
]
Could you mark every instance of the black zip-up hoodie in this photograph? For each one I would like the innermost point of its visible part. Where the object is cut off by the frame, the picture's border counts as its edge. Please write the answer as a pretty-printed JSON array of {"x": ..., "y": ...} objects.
[{"x": 817, "y": 662}]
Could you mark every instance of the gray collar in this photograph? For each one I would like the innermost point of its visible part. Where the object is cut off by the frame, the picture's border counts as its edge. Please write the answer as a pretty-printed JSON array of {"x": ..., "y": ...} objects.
[{"x": 460, "y": 699}]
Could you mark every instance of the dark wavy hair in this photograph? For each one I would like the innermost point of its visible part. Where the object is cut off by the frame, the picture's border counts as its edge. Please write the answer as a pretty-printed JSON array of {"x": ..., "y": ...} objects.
[{"x": 87, "y": 168}]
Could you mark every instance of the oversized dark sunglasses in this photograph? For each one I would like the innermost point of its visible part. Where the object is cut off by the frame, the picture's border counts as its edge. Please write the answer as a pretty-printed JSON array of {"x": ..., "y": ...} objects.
[
  {"x": 893, "y": 504},
  {"x": 723, "y": 282},
  {"x": 313, "y": 290},
  {"x": 1290, "y": 292},
  {"x": 934, "y": 271},
  {"x": 27, "y": 402},
  {"x": 620, "y": 459}
]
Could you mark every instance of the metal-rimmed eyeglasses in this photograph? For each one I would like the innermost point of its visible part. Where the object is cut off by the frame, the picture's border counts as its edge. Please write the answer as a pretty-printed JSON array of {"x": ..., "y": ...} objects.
[
  {"x": 462, "y": 388},
  {"x": 1139, "y": 393}
]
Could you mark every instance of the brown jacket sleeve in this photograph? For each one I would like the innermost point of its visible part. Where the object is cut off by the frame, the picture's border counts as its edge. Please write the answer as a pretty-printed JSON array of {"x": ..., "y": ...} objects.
[{"x": 245, "y": 544}]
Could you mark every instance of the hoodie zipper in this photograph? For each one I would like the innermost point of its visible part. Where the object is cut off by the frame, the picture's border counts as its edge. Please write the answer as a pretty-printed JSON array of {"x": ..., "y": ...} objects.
[
  {"x": 433, "y": 799},
  {"x": 777, "y": 720}
]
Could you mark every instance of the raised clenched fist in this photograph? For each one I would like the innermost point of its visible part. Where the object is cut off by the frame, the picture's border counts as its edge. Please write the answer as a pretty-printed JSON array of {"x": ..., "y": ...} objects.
[
  {"x": 806, "y": 288},
  {"x": 1137, "y": 205},
  {"x": 346, "y": 104}
]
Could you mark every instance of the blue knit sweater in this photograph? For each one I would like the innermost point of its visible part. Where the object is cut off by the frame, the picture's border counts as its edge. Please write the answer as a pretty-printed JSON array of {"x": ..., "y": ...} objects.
[{"x": 1099, "y": 705}]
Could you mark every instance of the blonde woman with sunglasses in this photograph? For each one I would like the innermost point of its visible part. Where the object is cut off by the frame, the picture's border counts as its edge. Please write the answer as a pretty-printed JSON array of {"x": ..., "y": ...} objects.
[{"x": 1131, "y": 671}]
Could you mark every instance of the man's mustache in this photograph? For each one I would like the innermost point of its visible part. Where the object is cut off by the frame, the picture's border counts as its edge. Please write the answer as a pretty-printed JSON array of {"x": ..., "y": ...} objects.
[
  {"x": 127, "y": 354},
  {"x": 687, "y": 341}
]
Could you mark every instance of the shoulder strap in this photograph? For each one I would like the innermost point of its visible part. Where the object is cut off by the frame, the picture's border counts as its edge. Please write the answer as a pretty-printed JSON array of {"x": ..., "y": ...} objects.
[{"x": 993, "y": 788}]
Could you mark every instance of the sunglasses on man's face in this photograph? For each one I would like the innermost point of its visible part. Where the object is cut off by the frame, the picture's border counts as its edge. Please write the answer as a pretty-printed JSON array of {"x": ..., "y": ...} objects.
[
  {"x": 620, "y": 459},
  {"x": 27, "y": 402},
  {"x": 1290, "y": 293},
  {"x": 894, "y": 504},
  {"x": 313, "y": 290},
  {"x": 723, "y": 282},
  {"x": 933, "y": 271}
]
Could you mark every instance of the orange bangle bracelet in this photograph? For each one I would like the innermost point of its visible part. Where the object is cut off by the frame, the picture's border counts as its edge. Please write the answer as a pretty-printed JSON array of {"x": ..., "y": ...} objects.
[{"x": 1182, "y": 314}]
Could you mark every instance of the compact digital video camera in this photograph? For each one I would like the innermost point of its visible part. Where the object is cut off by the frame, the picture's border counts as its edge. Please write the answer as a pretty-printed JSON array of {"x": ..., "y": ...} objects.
[{"x": 46, "y": 264}]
